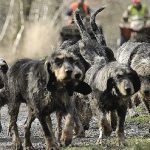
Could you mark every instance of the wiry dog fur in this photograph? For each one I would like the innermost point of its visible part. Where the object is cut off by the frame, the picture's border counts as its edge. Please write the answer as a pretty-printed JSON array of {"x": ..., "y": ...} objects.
[
  {"x": 80, "y": 66},
  {"x": 137, "y": 55},
  {"x": 112, "y": 83},
  {"x": 94, "y": 49},
  {"x": 46, "y": 86},
  {"x": 3, "y": 83}
]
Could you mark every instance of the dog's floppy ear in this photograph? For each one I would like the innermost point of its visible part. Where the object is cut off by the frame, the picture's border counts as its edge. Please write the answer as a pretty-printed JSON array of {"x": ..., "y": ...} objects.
[
  {"x": 83, "y": 88},
  {"x": 3, "y": 66},
  {"x": 110, "y": 84},
  {"x": 50, "y": 77},
  {"x": 135, "y": 80},
  {"x": 80, "y": 87}
]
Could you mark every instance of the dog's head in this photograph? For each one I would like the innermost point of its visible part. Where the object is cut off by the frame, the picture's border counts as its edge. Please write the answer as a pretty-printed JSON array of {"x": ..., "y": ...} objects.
[
  {"x": 142, "y": 67},
  {"x": 65, "y": 66},
  {"x": 145, "y": 86},
  {"x": 3, "y": 72},
  {"x": 123, "y": 81},
  {"x": 66, "y": 69}
]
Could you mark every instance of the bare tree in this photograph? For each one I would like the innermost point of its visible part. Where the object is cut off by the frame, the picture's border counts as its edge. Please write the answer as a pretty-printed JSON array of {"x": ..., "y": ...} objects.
[
  {"x": 19, "y": 34},
  {"x": 7, "y": 20}
]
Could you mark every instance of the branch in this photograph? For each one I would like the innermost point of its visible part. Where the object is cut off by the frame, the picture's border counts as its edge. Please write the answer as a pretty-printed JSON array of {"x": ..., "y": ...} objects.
[
  {"x": 19, "y": 35},
  {"x": 7, "y": 19}
]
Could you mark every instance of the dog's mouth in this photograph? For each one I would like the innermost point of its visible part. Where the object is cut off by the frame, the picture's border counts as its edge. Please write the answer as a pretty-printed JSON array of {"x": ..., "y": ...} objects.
[
  {"x": 66, "y": 80},
  {"x": 1, "y": 85},
  {"x": 147, "y": 94},
  {"x": 78, "y": 76}
]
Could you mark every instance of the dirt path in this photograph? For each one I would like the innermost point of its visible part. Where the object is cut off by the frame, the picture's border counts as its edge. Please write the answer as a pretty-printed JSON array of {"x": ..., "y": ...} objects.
[{"x": 134, "y": 129}]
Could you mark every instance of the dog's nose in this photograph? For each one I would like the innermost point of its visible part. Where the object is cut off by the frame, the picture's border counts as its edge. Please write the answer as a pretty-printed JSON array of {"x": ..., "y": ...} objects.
[
  {"x": 77, "y": 76},
  {"x": 1, "y": 85},
  {"x": 68, "y": 72},
  {"x": 147, "y": 92},
  {"x": 128, "y": 91}
]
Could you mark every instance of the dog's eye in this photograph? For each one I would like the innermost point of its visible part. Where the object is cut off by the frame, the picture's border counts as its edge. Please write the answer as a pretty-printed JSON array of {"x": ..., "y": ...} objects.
[
  {"x": 71, "y": 60},
  {"x": 58, "y": 61},
  {"x": 119, "y": 76},
  {"x": 77, "y": 62}
]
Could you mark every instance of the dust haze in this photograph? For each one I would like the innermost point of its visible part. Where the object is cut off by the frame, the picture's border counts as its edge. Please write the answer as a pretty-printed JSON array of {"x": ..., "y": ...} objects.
[{"x": 39, "y": 40}]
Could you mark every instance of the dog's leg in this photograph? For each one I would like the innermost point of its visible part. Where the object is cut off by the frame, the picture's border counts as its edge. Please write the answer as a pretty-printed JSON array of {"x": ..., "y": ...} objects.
[
  {"x": 121, "y": 111},
  {"x": 67, "y": 132},
  {"x": 104, "y": 127},
  {"x": 79, "y": 130},
  {"x": 59, "y": 126},
  {"x": 0, "y": 123},
  {"x": 147, "y": 104},
  {"x": 50, "y": 143},
  {"x": 27, "y": 141},
  {"x": 113, "y": 119},
  {"x": 132, "y": 108},
  {"x": 50, "y": 126},
  {"x": 103, "y": 124},
  {"x": 87, "y": 117},
  {"x": 13, "y": 129}
]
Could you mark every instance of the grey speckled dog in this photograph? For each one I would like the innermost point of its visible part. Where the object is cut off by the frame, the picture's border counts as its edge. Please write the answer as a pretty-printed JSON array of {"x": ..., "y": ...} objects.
[
  {"x": 3, "y": 83},
  {"x": 46, "y": 86},
  {"x": 112, "y": 82},
  {"x": 93, "y": 50},
  {"x": 137, "y": 56}
]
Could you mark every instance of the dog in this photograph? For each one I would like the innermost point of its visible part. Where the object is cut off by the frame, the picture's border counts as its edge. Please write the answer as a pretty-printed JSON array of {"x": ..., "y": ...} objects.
[
  {"x": 93, "y": 49},
  {"x": 137, "y": 56},
  {"x": 3, "y": 83},
  {"x": 45, "y": 86},
  {"x": 112, "y": 82}
]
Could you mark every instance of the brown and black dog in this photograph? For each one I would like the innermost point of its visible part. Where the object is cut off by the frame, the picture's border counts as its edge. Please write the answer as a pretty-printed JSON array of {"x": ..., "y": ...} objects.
[
  {"x": 112, "y": 83},
  {"x": 46, "y": 86}
]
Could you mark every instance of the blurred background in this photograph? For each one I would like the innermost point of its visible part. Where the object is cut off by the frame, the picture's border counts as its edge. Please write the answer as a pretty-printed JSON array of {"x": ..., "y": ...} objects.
[{"x": 30, "y": 28}]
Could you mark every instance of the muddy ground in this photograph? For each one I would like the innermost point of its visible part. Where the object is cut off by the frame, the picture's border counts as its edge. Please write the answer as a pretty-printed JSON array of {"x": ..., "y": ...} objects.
[{"x": 134, "y": 128}]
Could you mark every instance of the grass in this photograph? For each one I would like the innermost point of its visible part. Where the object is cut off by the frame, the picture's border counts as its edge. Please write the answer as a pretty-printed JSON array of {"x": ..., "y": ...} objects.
[
  {"x": 142, "y": 119},
  {"x": 90, "y": 147},
  {"x": 133, "y": 144}
]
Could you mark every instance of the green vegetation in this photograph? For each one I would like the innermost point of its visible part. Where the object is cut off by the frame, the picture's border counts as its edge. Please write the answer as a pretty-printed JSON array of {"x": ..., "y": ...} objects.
[
  {"x": 90, "y": 147},
  {"x": 133, "y": 144}
]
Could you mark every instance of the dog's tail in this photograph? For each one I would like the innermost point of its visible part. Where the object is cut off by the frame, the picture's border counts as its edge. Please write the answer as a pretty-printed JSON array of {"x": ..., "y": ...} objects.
[
  {"x": 84, "y": 34},
  {"x": 97, "y": 32}
]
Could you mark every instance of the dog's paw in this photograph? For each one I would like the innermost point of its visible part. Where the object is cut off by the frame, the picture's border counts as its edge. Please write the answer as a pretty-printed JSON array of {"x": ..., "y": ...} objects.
[
  {"x": 17, "y": 146},
  {"x": 65, "y": 141},
  {"x": 66, "y": 138},
  {"x": 52, "y": 148},
  {"x": 122, "y": 143},
  {"x": 29, "y": 148},
  {"x": 80, "y": 135},
  {"x": 99, "y": 141}
]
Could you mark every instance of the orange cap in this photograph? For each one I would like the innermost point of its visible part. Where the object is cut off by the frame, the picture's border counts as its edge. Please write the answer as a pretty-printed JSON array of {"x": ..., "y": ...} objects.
[{"x": 136, "y": 1}]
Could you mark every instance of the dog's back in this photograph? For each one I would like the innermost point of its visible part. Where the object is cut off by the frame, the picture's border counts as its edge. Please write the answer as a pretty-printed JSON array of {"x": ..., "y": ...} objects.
[{"x": 22, "y": 75}]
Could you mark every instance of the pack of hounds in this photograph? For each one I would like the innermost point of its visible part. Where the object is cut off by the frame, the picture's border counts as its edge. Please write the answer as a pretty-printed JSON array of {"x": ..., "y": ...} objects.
[{"x": 79, "y": 74}]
